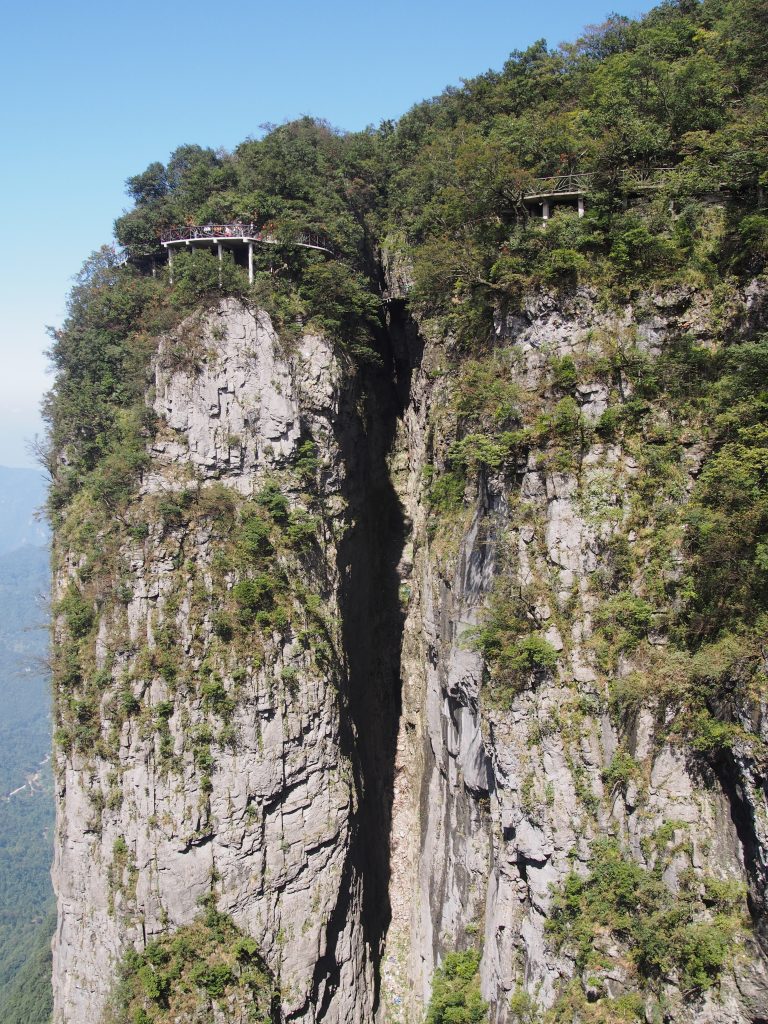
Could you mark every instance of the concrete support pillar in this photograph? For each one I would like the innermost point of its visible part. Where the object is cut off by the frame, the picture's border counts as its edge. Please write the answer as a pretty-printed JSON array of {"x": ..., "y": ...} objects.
[
  {"x": 170, "y": 264},
  {"x": 221, "y": 258},
  {"x": 250, "y": 263},
  {"x": 545, "y": 210},
  {"x": 581, "y": 206}
]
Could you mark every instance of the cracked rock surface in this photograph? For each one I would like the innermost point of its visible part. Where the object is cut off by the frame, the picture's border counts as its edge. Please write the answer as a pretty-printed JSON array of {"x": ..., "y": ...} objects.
[{"x": 358, "y": 832}]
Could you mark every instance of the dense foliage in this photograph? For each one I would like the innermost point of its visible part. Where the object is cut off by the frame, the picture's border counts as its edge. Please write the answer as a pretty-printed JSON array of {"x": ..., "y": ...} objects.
[
  {"x": 682, "y": 88},
  {"x": 456, "y": 995},
  {"x": 195, "y": 973},
  {"x": 27, "y": 997}
]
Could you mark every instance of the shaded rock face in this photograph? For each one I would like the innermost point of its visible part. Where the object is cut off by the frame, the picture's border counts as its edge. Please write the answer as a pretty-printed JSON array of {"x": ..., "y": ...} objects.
[{"x": 378, "y": 813}]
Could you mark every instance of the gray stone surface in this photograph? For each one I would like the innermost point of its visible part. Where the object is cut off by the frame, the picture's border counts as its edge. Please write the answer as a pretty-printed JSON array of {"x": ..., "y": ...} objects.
[
  {"x": 488, "y": 807},
  {"x": 275, "y": 832},
  {"x": 485, "y": 855}
]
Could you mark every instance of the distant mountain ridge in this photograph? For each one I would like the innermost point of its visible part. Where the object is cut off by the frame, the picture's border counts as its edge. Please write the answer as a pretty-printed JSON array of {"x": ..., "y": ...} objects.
[{"x": 25, "y": 725}]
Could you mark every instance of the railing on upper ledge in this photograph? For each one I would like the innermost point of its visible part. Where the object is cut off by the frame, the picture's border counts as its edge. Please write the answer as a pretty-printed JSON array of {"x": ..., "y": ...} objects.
[
  {"x": 579, "y": 183},
  {"x": 242, "y": 232},
  {"x": 559, "y": 185}
]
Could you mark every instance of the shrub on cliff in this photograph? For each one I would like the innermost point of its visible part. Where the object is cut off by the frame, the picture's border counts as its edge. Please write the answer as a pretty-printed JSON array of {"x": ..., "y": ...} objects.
[
  {"x": 198, "y": 971},
  {"x": 200, "y": 277},
  {"x": 668, "y": 934},
  {"x": 456, "y": 995}
]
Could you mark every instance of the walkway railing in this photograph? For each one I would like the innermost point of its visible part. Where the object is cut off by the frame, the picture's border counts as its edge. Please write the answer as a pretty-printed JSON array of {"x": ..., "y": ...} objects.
[
  {"x": 559, "y": 184},
  {"x": 579, "y": 182},
  {"x": 191, "y": 232},
  {"x": 243, "y": 231}
]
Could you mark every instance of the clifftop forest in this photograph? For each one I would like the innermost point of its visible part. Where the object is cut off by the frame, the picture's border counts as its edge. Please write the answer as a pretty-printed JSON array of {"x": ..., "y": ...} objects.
[{"x": 682, "y": 88}]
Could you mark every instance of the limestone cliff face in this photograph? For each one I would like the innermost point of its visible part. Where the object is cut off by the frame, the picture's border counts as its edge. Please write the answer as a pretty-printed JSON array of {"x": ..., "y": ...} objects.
[
  {"x": 274, "y": 829},
  {"x": 367, "y": 812},
  {"x": 494, "y": 807}
]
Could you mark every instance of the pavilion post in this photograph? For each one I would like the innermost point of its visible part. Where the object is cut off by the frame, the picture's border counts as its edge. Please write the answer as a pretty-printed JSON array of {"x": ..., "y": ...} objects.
[
  {"x": 250, "y": 263},
  {"x": 170, "y": 264},
  {"x": 221, "y": 258}
]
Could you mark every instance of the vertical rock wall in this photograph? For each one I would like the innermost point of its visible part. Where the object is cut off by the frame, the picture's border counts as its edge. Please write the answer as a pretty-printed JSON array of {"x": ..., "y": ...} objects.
[
  {"x": 495, "y": 806},
  {"x": 273, "y": 830},
  {"x": 366, "y": 815}
]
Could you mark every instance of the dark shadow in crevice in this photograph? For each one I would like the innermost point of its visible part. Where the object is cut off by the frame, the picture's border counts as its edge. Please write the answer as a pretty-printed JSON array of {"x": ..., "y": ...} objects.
[
  {"x": 742, "y": 811},
  {"x": 372, "y": 631}
]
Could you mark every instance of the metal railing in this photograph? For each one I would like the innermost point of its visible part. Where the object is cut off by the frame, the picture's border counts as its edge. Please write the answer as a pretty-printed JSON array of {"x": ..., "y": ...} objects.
[
  {"x": 579, "y": 182},
  {"x": 644, "y": 177},
  {"x": 314, "y": 240},
  {"x": 559, "y": 184},
  {"x": 245, "y": 232},
  {"x": 190, "y": 232}
]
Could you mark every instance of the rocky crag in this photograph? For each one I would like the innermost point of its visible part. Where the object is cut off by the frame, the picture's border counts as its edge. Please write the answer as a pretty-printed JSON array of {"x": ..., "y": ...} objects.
[{"x": 285, "y": 696}]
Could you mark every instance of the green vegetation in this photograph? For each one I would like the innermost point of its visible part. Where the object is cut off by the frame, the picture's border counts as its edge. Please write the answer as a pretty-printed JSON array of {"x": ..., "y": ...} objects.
[
  {"x": 258, "y": 586},
  {"x": 26, "y": 820},
  {"x": 516, "y": 658},
  {"x": 695, "y": 571},
  {"x": 688, "y": 936},
  {"x": 456, "y": 995},
  {"x": 620, "y": 99},
  {"x": 681, "y": 583},
  {"x": 27, "y": 997},
  {"x": 301, "y": 176},
  {"x": 192, "y": 971},
  {"x": 573, "y": 1004}
]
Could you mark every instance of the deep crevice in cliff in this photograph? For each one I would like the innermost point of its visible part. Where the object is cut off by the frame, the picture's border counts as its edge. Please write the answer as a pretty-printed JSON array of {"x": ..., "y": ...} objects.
[
  {"x": 372, "y": 628},
  {"x": 735, "y": 787}
]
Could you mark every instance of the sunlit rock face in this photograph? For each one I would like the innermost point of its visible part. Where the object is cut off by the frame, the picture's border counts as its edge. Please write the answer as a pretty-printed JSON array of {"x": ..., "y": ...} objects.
[
  {"x": 271, "y": 828},
  {"x": 366, "y": 811},
  {"x": 495, "y": 805}
]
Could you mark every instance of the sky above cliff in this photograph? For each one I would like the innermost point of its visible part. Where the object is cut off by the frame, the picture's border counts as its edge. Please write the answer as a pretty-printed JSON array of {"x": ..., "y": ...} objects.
[{"x": 93, "y": 92}]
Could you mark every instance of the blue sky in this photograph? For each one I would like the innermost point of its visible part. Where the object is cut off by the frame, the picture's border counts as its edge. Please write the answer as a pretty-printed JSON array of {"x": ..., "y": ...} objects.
[{"x": 94, "y": 91}]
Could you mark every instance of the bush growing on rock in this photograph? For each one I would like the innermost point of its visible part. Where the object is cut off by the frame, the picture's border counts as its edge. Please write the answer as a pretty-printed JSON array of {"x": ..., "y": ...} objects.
[
  {"x": 456, "y": 995},
  {"x": 202, "y": 969}
]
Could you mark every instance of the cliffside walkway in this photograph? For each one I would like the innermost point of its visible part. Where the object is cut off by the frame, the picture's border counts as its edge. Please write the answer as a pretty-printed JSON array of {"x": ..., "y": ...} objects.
[
  {"x": 554, "y": 188},
  {"x": 233, "y": 236}
]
